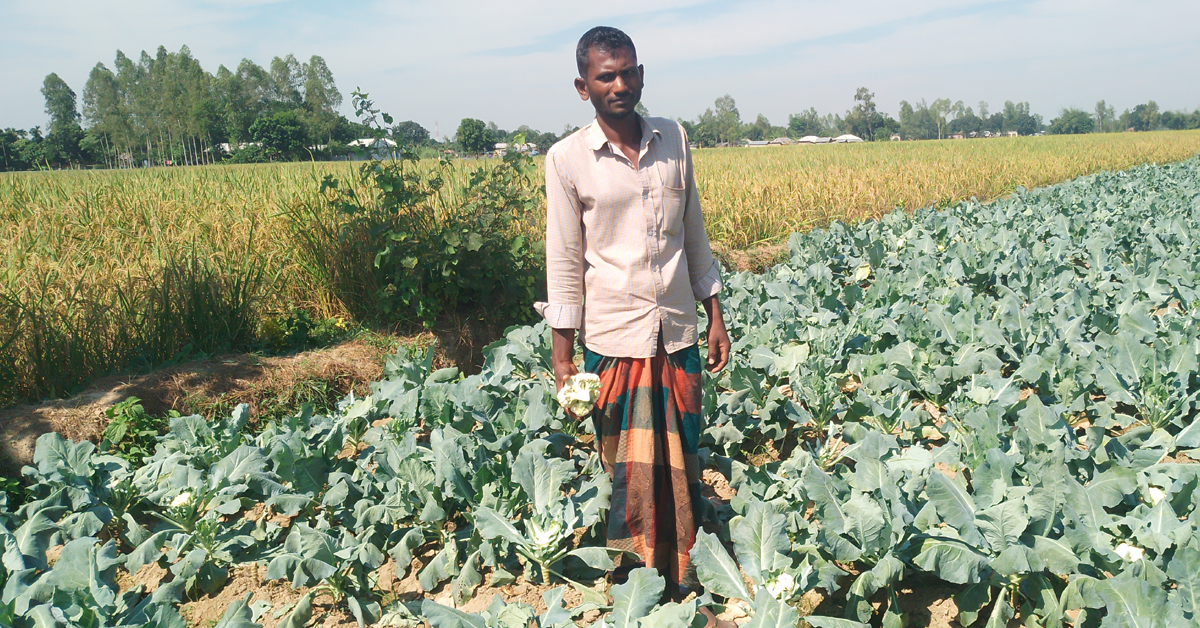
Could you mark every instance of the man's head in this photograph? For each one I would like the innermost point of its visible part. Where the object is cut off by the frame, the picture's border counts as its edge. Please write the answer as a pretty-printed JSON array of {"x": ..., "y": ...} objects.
[
  {"x": 609, "y": 74},
  {"x": 604, "y": 39}
]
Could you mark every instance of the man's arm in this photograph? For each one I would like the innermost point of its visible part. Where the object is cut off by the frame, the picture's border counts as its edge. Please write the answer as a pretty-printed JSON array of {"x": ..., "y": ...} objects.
[
  {"x": 704, "y": 272},
  {"x": 564, "y": 269},
  {"x": 562, "y": 355},
  {"x": 718, "y": 339}
]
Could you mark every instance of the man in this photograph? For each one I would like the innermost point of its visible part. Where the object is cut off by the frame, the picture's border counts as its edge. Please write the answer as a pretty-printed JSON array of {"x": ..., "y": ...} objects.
[{"x": 627, "y": 259}]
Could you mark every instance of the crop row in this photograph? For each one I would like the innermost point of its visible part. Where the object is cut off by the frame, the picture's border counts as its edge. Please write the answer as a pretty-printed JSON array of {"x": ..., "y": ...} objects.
[{"x": 1001, "y": 396}]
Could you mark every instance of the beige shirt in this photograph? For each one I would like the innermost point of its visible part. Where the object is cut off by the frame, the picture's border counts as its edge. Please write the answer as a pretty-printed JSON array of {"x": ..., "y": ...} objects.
[{"x": 626, "y": 253}]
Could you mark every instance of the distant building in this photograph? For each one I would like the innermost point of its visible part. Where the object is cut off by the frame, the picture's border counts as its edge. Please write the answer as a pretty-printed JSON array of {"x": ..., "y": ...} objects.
[
  {"x": 756, "y": 143},
  {"x": 371, "y": 148},
  {"x": 895, "y": 137},
  {"x": 957, "y": 136},
  {"x": 847, "y": 139},
  {"x": 1013, "y": 134}
]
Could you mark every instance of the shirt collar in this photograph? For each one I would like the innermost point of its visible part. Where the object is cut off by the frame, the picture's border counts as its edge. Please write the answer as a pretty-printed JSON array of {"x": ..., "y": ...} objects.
[{"x": 597, "y": 140}]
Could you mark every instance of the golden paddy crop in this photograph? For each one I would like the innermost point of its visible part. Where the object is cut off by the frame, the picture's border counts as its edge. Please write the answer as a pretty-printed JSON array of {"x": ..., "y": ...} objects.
[{"x": 74, "y": 246}]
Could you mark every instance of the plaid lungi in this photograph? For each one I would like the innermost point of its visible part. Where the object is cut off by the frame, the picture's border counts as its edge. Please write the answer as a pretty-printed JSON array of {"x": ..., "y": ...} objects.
[{"x": 647, "y": 434}]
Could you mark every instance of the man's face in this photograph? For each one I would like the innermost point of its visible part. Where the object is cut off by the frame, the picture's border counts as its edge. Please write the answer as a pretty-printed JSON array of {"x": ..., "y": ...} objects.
[{"x": 613, "y": 82}]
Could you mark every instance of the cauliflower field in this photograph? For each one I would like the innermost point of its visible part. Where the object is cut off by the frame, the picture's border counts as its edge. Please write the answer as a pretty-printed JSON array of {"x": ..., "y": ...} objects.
[{"x": 1000, "y": 396}]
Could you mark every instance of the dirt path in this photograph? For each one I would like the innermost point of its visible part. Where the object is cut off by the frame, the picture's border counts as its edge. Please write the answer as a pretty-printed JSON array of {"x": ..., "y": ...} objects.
[{"x": 210, "y": 387}]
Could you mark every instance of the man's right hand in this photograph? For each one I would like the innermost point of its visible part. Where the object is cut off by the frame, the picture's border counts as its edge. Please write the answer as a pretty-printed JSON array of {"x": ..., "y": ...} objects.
[{"x": 562, "y": 357}]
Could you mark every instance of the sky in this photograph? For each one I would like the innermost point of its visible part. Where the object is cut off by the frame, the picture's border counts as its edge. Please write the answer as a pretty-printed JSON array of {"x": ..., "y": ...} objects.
[{"x": 512, "y": 62}]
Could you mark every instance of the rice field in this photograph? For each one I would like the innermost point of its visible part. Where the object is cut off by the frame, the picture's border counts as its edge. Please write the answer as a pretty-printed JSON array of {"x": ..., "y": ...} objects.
[{"x": 75, "y": 246}]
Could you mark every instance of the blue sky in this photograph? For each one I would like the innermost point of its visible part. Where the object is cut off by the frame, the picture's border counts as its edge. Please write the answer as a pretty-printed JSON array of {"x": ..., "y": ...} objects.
[{"x": 439, "y": 61}]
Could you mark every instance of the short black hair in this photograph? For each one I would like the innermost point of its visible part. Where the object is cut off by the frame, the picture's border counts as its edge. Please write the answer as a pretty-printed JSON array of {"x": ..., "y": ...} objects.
[{"x": 604, "y": 39}]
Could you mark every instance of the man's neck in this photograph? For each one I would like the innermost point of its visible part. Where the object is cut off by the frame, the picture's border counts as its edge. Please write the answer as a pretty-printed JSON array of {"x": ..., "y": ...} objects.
[{"x": 625, "y": 133}]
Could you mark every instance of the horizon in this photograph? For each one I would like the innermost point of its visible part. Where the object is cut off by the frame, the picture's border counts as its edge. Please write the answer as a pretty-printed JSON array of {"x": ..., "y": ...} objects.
[{"x": 514, "y": 65}]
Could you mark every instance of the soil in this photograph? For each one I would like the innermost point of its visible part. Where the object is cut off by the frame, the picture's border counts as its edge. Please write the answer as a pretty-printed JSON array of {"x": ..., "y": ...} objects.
[{"x": 208, "y": 387}]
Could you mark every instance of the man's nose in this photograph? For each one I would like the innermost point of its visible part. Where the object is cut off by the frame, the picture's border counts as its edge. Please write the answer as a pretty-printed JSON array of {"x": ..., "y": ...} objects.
[{"x": 619, "y": 85}]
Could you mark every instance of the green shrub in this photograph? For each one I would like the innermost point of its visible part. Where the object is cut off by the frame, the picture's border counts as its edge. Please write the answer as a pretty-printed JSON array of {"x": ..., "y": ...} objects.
[
  {"x": 298, "y": 330},
  {"x": 404, "y": 254},
  {"x": 131, "y": 433}
]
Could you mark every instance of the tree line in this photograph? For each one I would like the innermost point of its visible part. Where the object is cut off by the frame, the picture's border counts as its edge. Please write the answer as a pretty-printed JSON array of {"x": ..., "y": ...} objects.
[
  {"x": 722, "y": 124},
  {"x": 167, "y": 110}
]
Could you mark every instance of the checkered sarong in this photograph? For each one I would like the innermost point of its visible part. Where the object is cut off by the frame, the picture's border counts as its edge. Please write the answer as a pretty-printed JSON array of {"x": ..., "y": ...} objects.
[{"x": 647, "y": 433}]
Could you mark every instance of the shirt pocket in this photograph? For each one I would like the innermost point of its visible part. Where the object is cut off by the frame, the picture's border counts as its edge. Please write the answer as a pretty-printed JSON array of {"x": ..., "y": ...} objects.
[
  {"x": 674, "y": 205},
  {"x": 674, "y": 196}
]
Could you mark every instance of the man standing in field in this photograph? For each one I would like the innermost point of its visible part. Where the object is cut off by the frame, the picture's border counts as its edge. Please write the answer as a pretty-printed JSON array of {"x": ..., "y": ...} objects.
[{"x": 627, "y": 259}]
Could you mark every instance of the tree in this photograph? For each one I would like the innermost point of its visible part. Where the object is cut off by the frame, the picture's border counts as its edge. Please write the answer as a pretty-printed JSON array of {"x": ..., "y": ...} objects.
[
  {"x": 965, "y": 121},
  {"x": 805, "y": 123},
  {"x": 1144, "y": 117},
  {"x": 727, "y": 120},
  {"x": 473, "y": 136},
  {"x": 863, "y": 119},
  {"x": 1071, "y": 121},
  {"x": 287, "y": 81},
  {"x": 321, "y": 99},
  {"x": 916, "y": 123},
  {"x": 281, "y": 134},
  {"x": 1105, "y": 117},
  {"x": 65, "y": 132},
  {"x": 760, "y": 130},
  {"x": 410, "y": 134},
  {"x": 104, "y": 113},
  {"x": 937, "y": 112}
]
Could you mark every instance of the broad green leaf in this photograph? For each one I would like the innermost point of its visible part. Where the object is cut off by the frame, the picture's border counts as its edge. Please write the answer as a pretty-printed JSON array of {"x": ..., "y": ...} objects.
[
  {"x": 670, "y": 615},
  {"x": 443, "y": 567},
  {"x": 953, "y": 504},
  {"x": 771, "y": 613},
  {"x": 951, "y": 560},
  {"x": 1057, "y": 554},
  {"x": 820, "y": 621},
  {"x": 1111, "y": 485},
  {"x": 594, "y": 557},
  {"x": 238, "y": 615},
  {"x": 715, "y": 569},
  {"x": 971, "y": 600},
  {"x": 1184, "y": 569},
  {"x": 1003, "y": 524},
  {"x": 491, "y": 525},
  {"x": 757, "y": 537},
  {"x": 300, "y": 614},
  {"x": 1134, "y": 602},
  {"x": 1002, "y": 612},
  {"x": 634, "y": 599}
]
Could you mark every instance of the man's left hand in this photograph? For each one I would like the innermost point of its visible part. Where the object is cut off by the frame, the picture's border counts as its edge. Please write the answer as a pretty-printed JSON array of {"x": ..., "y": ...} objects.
[{"x": 718, "y": 339}]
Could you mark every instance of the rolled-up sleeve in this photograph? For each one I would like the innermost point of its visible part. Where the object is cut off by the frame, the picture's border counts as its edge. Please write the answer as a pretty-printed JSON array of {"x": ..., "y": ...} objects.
[
  {"x": 703, "y": 270},
  {"x": 564, "y": 250}
]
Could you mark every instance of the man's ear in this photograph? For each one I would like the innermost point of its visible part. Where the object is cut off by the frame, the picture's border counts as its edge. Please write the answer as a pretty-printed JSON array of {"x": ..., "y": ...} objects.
[{"x": 581, "y": 87}]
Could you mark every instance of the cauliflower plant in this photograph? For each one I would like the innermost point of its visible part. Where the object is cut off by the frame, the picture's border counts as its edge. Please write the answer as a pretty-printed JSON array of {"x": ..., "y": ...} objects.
[
  {"x": 580, "y": 393},
  {"x": 1131, "y": 553},
  {"x": 781, "y": 587},
  {"x": 545, "y": 532},
  {"x": 181, "y": 500}
]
